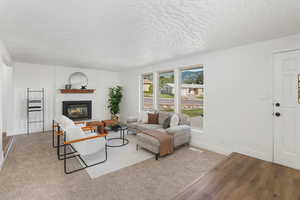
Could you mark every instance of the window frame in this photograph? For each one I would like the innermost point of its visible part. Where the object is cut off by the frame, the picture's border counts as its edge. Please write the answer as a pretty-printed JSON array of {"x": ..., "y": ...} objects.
[
  {"x": 159, "y": 91},
  {"x": 180, "y": 87},
  {"x": 142, "y": 92},
  {"x": 177, "y": 87}
]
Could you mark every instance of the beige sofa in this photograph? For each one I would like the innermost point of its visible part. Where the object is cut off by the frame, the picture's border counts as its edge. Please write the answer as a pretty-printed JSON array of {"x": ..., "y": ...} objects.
[{"x": 181, "y": 133}]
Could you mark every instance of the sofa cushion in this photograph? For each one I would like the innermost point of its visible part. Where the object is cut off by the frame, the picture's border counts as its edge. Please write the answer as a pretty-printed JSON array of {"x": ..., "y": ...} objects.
[
  {"x": 181, "y": 129},
  {"x": 132, "y": 120},
  {"x": 148, "y": 126},
  {"x": 133, "y": 125},
  {"x": 148, "y": 142},
  {"x": 162, "y": 116},
  {"x": 161, "y": 130}
]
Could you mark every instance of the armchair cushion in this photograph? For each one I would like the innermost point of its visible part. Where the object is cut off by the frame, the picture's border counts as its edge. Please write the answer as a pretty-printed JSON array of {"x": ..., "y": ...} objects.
[
  {"x": 86, "y": 147},
  {"x": 65, "y": 122}
]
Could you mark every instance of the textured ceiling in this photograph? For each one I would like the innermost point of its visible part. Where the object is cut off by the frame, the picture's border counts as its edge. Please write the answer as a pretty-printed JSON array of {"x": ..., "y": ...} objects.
[{"x": 118, "y": 34}]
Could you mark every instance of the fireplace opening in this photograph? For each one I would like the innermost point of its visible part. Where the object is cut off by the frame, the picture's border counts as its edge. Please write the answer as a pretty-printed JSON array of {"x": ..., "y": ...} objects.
[{"x": 77, "y": 110}]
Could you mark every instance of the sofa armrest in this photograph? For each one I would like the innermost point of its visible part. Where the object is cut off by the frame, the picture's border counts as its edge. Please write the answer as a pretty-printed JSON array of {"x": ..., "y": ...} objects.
[
  {"x": 131, "y": 120},
  {"x": 179, "y": 129}
]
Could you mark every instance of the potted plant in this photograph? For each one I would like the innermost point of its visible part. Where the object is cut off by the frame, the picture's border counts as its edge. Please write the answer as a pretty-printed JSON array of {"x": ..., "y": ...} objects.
[{"x": 115, "y": 98}]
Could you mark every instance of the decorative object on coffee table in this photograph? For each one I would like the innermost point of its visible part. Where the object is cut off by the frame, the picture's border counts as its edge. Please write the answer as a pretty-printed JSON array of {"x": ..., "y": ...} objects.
[{"x": 115, "y": 98}]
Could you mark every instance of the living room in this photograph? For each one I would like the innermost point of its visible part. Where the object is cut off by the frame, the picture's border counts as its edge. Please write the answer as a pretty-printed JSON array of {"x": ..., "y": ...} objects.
[{"x": 207, "y": 89}]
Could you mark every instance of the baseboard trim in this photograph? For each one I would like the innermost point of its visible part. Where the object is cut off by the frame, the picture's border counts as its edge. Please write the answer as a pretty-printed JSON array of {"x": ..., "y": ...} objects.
[
  {"x": 1, "y": 161},
  {"x": 8, "y": 150},
  {"x": 210, "y": 147},
  {"x": 10, "y": 147},
  {"x": 255, "y": 154},
  {"x": 201, "y": 143}
]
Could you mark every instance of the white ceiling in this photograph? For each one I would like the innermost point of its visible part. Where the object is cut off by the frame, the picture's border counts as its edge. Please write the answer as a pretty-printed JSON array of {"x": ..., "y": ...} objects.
[{"x": 121, "y": 34}]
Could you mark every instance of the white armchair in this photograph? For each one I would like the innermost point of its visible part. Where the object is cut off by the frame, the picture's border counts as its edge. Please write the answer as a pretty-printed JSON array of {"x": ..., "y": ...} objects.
[
  {"x": 60, "y": 125},
  {"x": 83, "y": 145}
]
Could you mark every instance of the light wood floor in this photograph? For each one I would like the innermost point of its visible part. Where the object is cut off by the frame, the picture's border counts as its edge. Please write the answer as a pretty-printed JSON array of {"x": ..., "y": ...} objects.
[{"x": 244, "y": 178}]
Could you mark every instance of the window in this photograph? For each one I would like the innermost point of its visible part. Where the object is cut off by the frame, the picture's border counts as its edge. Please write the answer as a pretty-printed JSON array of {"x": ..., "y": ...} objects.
[
  {"x": 166, "y": 91},
  {"x": 148, "y": 91},
  {"x": 192, "y": 95}
]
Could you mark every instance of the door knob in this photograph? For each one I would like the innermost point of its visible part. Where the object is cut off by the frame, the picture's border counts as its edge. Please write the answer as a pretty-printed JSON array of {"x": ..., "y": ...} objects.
[
  {"x": 277, "y": 114},
  {"x": 277, "y": 104}
]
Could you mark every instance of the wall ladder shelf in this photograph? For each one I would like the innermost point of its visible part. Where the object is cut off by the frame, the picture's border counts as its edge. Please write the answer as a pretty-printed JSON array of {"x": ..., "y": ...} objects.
[{"x": 35, "y": 105}]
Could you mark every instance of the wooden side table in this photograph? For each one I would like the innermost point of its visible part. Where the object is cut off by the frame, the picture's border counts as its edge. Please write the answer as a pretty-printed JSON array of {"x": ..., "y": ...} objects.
[
  {"x": 98, "y": 124},
  {"x": 109, "y": 123}
]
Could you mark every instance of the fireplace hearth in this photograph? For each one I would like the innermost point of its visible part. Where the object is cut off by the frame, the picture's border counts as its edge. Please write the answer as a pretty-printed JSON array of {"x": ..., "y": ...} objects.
[{"x": 77, "y": 110}]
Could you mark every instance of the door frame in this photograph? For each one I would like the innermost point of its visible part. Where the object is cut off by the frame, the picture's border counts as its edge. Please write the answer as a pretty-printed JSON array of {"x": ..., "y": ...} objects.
[{"x": 273, "y": 95}]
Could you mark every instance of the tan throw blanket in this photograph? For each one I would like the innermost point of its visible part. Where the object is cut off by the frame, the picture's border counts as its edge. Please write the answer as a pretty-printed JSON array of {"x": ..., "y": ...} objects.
[{"x": 166, "y": 141}]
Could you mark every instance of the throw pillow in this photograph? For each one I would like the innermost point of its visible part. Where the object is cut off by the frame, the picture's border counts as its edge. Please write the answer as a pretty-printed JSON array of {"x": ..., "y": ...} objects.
[
  {"x": 162, "y": 117},
  {"x": 174, "y": 120},
  {"x": 166, "y": 123},
  {"x": 152, "y": 118}
]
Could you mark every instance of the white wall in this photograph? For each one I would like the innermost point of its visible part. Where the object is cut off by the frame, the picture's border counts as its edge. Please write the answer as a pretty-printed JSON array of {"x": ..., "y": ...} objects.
[
  {"x": 35, "y": 77},
  {"x": 1, "y": 111},
  {"x": 238, "y": 96},
  {"x": 4, "y": 79},
  {"x": 5, "y": 102},
  {"x": 98, "y": 79},
  {"x": 53, "y": 78},
  {"x": 8, "y": 98}
]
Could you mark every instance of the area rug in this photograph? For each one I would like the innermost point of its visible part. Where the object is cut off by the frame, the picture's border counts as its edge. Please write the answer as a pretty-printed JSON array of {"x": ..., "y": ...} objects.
[{"x": 117, "y": 158}]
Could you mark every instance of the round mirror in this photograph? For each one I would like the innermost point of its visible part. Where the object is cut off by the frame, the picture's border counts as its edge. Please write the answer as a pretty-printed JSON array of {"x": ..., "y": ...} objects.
[{"x": 78, "y": 80}]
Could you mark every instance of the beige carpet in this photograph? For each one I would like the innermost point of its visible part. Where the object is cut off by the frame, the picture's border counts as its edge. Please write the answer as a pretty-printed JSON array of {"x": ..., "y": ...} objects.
[{"x": 32, "y": 171}]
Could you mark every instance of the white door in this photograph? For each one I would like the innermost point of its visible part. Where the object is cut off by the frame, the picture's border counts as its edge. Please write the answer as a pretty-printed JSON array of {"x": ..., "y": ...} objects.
[{"x": 287, "y": 109}]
